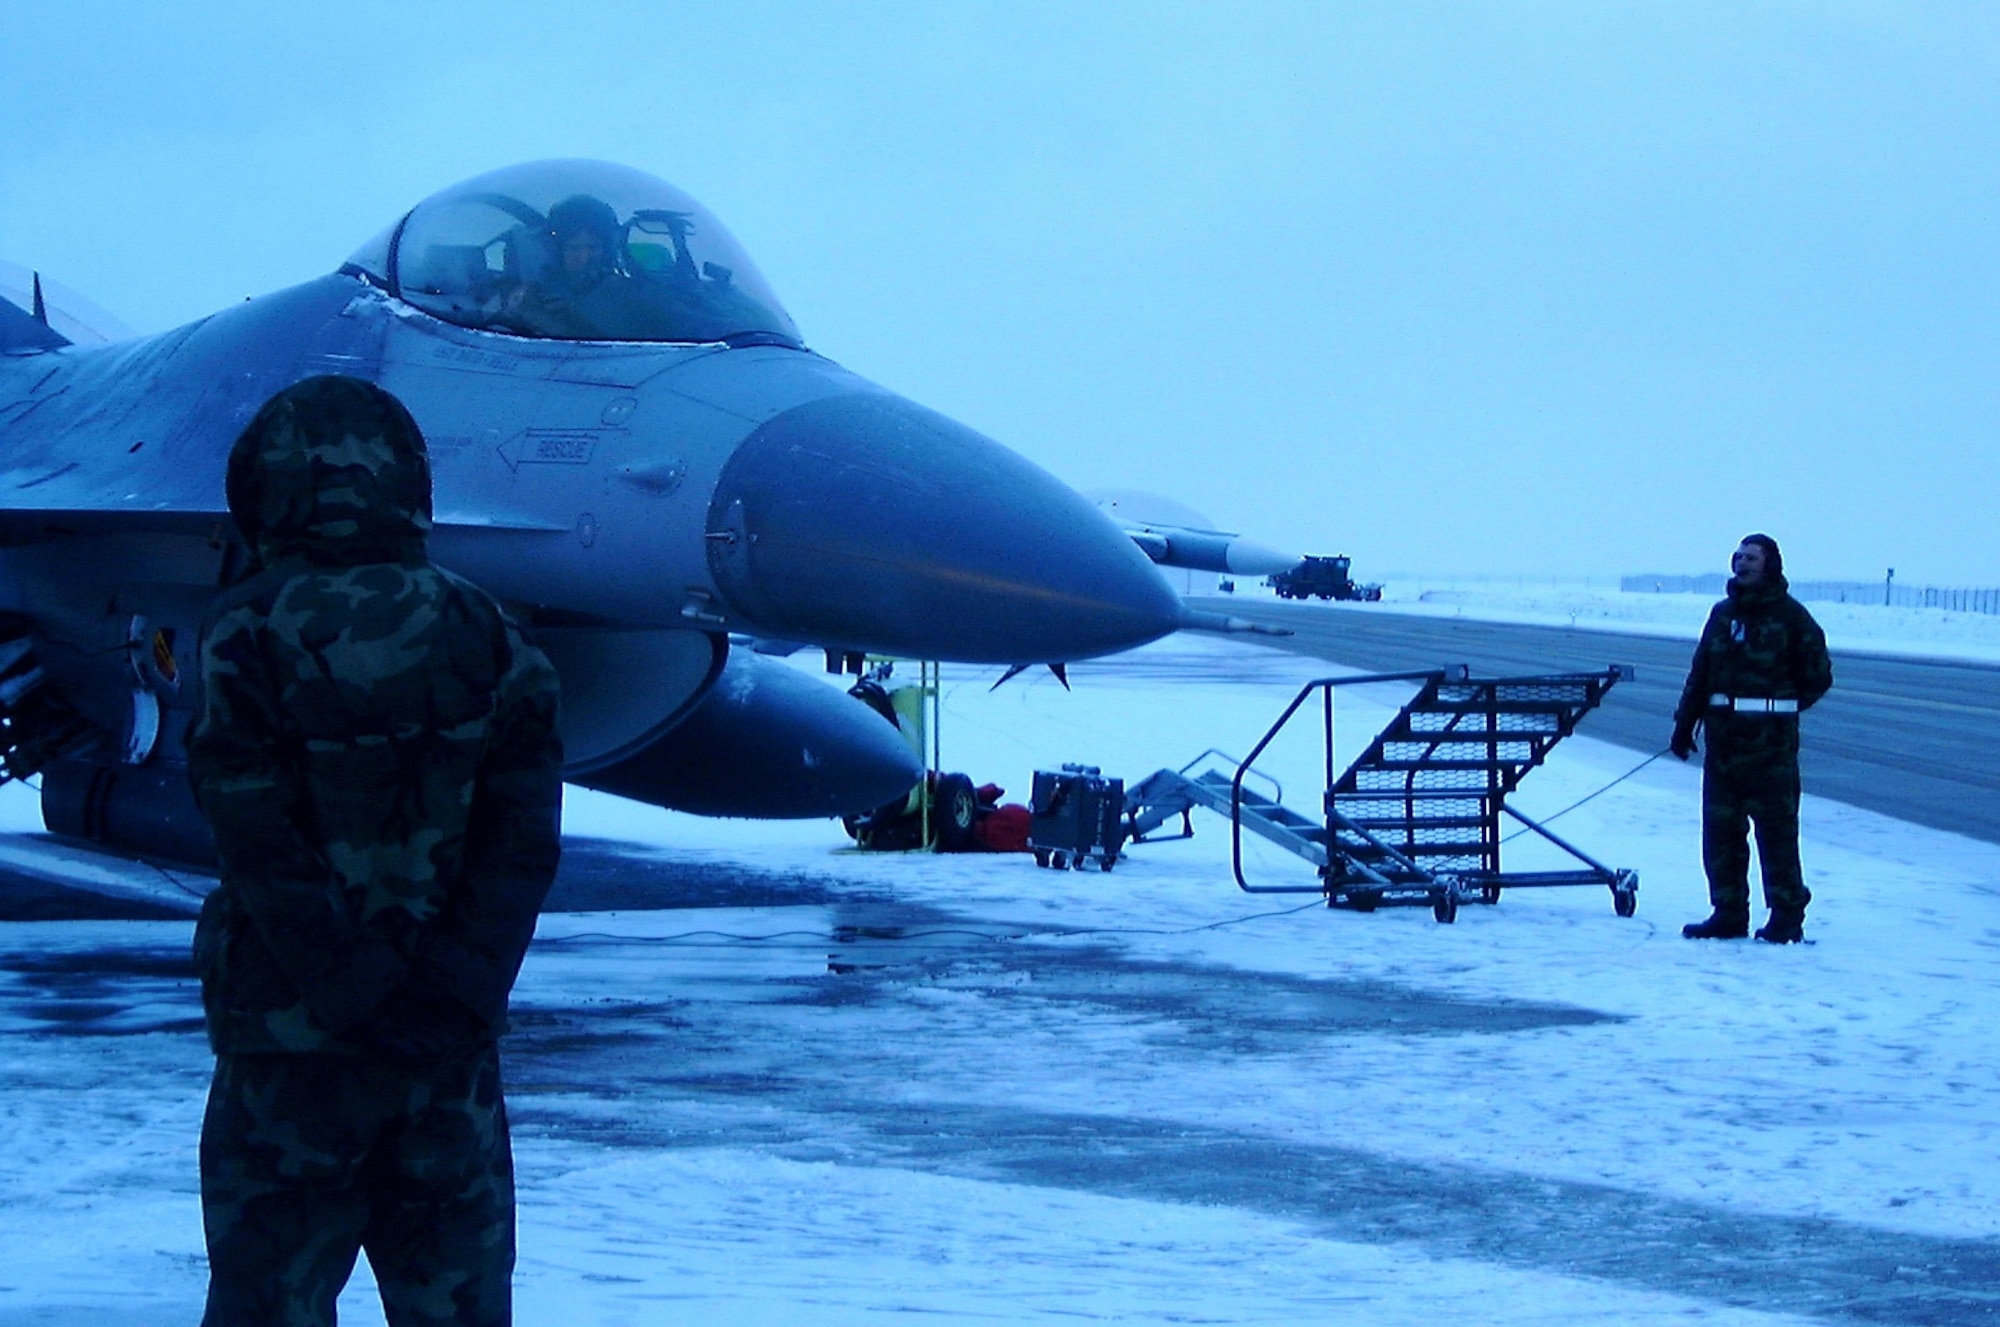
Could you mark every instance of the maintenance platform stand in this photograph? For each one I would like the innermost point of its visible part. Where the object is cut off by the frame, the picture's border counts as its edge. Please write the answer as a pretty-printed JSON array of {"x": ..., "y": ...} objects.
[{"x": 1416, "y": 818}]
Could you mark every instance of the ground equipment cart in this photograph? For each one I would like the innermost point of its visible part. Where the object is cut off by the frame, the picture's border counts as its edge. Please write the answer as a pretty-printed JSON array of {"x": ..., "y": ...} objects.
[{"x": 1416, "y": 818}]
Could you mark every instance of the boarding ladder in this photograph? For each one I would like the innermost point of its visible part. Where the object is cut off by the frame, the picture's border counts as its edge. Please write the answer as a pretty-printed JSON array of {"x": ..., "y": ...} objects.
[
  {"x": 1416, "y": 817},
  {"x": 1158, "y": 798}
]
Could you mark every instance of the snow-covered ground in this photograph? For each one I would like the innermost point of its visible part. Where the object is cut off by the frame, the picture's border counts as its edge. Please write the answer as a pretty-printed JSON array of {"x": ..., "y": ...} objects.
[
  {"x": 1599, "y": 605},
  {"x": 861, "y": 1087}
]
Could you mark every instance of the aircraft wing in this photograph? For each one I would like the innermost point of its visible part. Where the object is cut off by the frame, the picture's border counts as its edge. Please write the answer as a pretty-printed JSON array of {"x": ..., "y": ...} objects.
[{"x": 27, "y": 524}]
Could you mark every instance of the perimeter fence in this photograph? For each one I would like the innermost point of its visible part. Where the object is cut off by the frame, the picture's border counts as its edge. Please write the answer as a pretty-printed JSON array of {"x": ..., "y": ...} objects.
[{"x": 1957, "y": 599}]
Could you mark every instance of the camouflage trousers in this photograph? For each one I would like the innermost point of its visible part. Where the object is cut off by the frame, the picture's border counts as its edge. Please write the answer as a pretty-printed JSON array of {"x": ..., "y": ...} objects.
[
  {"x": 1750, "y": 777},
  {"x": 308, "y": 1159}
]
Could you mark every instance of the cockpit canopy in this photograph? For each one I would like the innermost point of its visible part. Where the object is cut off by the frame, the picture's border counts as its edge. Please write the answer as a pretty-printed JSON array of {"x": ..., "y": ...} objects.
[{"x": 577, "y": 251}]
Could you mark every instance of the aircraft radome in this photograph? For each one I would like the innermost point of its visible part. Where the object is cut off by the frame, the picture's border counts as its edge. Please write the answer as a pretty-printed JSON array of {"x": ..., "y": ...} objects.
[{"x": 632, "y": 448}]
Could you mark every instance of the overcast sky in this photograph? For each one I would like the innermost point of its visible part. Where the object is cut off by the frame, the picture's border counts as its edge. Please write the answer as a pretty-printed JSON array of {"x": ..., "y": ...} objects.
[{"x": 1478, "y": 287}]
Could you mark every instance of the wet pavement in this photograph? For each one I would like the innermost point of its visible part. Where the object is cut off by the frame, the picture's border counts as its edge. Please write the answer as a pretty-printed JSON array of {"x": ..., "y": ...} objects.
[
  {"x": 868, "y": 1032},
  {"x": 716, "y": 1067}
]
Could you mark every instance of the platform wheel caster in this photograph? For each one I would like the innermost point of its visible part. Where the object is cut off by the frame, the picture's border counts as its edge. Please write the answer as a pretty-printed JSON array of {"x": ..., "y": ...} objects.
[
  {"x": 1042, "y": 858},
  {"x": 1059, "y": 861},
  {"x": 1106, "y": 863},
  {"x": 1364, "y": 900},
  {"x": 1624, "y": 902},
  {"x": 1444, "y": 907},
  {"x": 1489, "y": 893}
]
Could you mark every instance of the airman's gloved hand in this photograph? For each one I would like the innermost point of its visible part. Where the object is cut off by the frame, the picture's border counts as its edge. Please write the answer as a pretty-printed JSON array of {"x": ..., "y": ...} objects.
[
  {"x": 1682, "y": 744},
  {"x": 416, "y": 1027}
]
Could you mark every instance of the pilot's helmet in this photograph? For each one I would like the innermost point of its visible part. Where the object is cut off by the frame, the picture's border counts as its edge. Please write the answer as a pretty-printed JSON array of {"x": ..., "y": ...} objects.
[{"x": 586, "y": 215}]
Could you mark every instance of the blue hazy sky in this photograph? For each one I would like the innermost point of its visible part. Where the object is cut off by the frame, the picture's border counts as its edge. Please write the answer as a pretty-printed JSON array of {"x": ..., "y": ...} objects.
[{"x": 1541, "y": 287}]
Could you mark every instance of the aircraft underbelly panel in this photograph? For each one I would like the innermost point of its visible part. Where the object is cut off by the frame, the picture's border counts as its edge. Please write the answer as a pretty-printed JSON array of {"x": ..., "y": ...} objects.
[
  {"x": 625, "y": 689},
  {"x": 771, "y": 742}
]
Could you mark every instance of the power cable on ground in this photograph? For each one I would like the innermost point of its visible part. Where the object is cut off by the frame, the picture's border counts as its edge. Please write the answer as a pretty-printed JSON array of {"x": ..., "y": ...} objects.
[
  {"x": 1509, "y": 838},
  {"x": 832, "y": 937}
]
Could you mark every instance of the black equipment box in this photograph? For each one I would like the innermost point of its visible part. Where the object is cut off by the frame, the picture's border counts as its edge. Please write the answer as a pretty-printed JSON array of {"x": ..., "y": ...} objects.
[{"x": 1076, "y": 816}]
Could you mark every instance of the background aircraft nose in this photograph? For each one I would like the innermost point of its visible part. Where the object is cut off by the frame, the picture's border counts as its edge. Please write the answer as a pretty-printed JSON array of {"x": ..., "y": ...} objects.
[{"x": 867, "y": 522}]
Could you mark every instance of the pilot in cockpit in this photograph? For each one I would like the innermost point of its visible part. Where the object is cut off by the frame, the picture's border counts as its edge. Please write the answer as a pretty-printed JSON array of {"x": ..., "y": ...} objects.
[
  {"x": 575, "y": 288},
  {"x": 586, "y": 232}
]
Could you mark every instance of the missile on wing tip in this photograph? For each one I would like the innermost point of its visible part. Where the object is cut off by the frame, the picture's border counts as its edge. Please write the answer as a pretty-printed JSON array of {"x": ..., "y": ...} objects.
[
  {"x": 1210, "y": 550},
  {"x": 1195, "y": 620},
  {"x": 1247, "y": 557}
]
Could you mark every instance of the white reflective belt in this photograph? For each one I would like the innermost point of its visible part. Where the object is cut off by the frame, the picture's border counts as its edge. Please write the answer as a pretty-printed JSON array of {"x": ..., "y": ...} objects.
[{"x": 1754, "y": 704}]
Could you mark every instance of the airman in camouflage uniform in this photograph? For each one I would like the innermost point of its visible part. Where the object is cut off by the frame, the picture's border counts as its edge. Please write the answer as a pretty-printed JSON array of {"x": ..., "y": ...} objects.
[
  {"x": 1761, "y": 662},
  {"x": 377, "y": 755}
]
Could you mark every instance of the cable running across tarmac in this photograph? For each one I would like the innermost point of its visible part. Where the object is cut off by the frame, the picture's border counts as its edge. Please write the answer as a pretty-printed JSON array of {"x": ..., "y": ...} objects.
[
  {"x": 607, "y": 937},
  {"x": 1592, "y": 796},
  {"x": 735, "y": 938}
]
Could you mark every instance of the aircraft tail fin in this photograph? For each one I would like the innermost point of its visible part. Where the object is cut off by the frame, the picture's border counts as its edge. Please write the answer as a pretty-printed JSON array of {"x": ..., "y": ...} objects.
[
  {"x": 28, "y": 329},
  {"x": 29, "y": 300}
]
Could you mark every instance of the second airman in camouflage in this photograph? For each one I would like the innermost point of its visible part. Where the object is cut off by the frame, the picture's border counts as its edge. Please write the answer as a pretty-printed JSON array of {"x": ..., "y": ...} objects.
[
  {"x": 377, "y": 756},
  {"x": 1762, "y": 662}
]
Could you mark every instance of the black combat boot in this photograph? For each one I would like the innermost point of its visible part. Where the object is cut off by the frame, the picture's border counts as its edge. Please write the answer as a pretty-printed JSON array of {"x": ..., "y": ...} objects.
[
  {"x": 1719, "y": 925},
  {"x": 1786, "y": 927}
]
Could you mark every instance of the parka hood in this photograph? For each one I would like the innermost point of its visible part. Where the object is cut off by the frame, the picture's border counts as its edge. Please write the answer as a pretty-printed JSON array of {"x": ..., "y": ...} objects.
[{"x": 333, "y": 470}]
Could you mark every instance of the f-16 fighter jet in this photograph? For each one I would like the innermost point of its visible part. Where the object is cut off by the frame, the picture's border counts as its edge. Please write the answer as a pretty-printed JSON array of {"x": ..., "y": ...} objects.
[{"x": 633, "y": 449}]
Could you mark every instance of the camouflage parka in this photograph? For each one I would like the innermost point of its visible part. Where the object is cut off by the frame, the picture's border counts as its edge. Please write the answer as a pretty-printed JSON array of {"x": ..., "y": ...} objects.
[
  {"x": 1757, "y": 642},
  {"x": 376, "y": 752}
]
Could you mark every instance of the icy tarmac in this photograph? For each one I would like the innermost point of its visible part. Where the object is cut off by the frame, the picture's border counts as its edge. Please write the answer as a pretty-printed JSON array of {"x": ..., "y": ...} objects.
[{"x": 758, "y": 1078}]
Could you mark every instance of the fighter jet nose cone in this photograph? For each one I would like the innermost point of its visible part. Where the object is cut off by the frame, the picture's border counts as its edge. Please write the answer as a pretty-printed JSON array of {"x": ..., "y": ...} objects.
[{"x": 868, "y": 522}]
